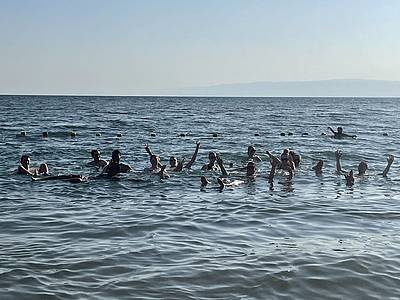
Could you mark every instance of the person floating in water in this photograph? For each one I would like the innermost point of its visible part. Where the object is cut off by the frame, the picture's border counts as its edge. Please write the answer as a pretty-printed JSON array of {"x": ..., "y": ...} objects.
[
  {"x": 339, "y": 133},
  {"x": 174, "y": 164},
  {"x": 155, "y": 168},
  {"x": 318, "y": 167},
  {"x": 223, "y": 182},
  {"x": 43, "y": 172},
  {"x": 211, "y": 165},
  {"x": 362, "y": 168},
  {"x": 115, "y": 167},
  {"x": 24, "y": 167},
  {"x": 97, "y": 161},
  {"x": 251, "y": 154},
  {"x": 177, "y": 166}
]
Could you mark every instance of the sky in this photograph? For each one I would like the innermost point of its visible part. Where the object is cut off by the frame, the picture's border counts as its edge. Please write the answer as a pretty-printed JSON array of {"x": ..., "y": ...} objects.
[{"x": 129, "y": 47}]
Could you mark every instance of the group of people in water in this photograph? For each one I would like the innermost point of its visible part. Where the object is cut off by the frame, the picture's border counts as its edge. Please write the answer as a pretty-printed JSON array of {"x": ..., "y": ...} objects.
[{"x": 284, "y": 165}]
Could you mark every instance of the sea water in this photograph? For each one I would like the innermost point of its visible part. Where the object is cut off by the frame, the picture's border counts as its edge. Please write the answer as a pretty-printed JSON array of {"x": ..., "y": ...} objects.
[{"x": 143, "y": 237}]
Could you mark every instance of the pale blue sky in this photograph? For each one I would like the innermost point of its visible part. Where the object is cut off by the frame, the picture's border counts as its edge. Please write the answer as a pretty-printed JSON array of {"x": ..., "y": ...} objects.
[{"x": 136, "y": 47}]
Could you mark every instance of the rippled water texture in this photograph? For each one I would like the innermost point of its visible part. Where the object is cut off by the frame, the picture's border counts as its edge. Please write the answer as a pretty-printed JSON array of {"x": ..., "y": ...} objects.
[{"x": 146, "y": 238}]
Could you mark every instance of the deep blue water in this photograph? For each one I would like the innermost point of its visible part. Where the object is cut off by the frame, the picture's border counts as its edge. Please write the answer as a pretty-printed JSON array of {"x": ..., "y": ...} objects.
[{"x": 146, "y": 238}]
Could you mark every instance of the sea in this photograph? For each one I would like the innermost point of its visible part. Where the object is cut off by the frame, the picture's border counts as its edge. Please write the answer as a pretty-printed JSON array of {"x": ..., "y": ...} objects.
[{"x": 143, "y": 237}]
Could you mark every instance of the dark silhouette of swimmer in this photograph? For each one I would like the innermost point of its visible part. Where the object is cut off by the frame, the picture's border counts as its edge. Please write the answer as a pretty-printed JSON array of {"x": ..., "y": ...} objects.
[
  {"x": 295, "y": 157},
  {"x": 97, "y": 161},
  {"x": 339, "y": 133},
  {"x": 177, "y": 166},
  {"x": 24, "y": 167},
  {"x": 318, "y": 167},
  {"x": 362, "y": 168},
  {"x": 251, "y": 154},
  {"x": 115, "y": 167},
  {"x": 211, "y": 165}
]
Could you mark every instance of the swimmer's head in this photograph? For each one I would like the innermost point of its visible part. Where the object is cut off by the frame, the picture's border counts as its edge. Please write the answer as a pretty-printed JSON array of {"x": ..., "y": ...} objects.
[
  {"x": 318, "y": 167},
  {"x": 95, "y": 153},
  {"x": 25, "y": 159},
  {"x": 251, "y": 151},
  {"x": 340, "y": 130},
  {"x": 212, "y": 156},
  {"x": 116, "y": 155},
  {"x": 320, "y": 164},
  {"x": 154, "y": 160},
  {"x": 204, "y": 181},
  {"x": 173, "y": 162},
  {"x": 362, "y": 167},
  {"x": 250, "y": 168}
]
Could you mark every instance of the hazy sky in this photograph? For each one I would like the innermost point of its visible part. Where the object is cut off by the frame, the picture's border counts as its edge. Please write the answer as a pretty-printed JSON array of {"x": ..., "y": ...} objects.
[{"x": 136, "y": 47}]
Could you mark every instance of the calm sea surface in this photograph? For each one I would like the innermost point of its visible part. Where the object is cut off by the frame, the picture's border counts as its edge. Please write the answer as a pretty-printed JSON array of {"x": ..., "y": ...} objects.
[{"x": 146, "y": 238}]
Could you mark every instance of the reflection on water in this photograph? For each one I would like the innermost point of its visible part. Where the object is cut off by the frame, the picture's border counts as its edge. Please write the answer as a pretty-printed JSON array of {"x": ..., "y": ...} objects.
[{"x": 146, "y": 238}]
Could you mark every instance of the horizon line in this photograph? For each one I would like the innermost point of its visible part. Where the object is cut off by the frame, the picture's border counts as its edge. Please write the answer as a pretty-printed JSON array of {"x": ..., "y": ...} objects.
[{"x": 193, "y": 96}]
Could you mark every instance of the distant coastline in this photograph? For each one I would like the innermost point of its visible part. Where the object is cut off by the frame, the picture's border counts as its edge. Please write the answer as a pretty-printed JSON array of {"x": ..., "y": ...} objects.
[
  {"x": 317, "y": 88},
  {"x": 313, "y": 88}
]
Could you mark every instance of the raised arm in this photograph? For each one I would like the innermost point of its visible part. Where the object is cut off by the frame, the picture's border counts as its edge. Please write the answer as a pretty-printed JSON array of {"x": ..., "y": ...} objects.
[
  {"x": 333, "y": 131},
  {"x": 274, "y": 164},
  {"x": 338, "y": 155},
  {"x": 390, "y": 160},
  {"x": 273, "y": 159},
  {"x": 220, "y": 163},
  {"x": 148, "y": 150},
  {"x": 194, "y": 156}
]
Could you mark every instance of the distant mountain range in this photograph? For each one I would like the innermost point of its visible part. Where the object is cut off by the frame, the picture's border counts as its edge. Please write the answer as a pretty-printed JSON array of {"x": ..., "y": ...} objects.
[{"x": 319, "y": 88}]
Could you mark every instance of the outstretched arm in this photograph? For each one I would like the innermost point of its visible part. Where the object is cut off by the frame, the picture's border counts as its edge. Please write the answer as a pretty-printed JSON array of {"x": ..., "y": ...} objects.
[
  {"x": 389, "y": 163},
  {"x": 194, "y": 156},
  {"x": 333, "y": 131}
]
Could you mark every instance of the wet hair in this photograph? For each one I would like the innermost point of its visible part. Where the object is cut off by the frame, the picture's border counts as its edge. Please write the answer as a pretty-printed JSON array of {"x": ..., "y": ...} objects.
[
  {"x": 24, "y": 157},
  {"x": 93, "y": 152},
  {"x": 362, "y": 167},
  {"x": 339, "y": 130},
  {"x": 250, "y": 149},
  {"x": 173, "y": 159},
  {"x": 115, "y": 154},
  {"x": 212, "y": 154}
]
